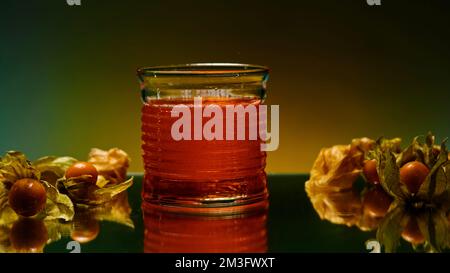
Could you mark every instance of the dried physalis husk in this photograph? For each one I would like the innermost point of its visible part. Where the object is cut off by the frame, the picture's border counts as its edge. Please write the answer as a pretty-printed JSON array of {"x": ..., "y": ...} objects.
[
  {"x": 15, "y": 166},
  {"x": 84, "y": 192},
  {"x": 116, "y": 210},
  {"x": 112, "y": 164},
  {"x": 332, "y": 176},
  {"x": 337, "y": 168}
]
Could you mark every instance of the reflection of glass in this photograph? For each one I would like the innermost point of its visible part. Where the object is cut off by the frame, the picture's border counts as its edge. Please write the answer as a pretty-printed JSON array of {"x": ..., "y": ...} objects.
[
  {"x": 204, "y": 173},
  {"x": 169, "y": 232}
]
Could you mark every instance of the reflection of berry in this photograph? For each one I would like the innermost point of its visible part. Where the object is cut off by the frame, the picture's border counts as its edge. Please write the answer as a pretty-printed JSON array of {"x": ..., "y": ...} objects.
[
  {"x": 370, "y": 171},
  {"x": 413, "y": 174},
  {"x": 411, "y": 233},
  {"x": 28, "y": 235},
  {"x": 83, "y": 168},
  {"x": 27, "y": 197},
  {"x": 377, "y": 202},
  {"x": 85, "y": 229}
]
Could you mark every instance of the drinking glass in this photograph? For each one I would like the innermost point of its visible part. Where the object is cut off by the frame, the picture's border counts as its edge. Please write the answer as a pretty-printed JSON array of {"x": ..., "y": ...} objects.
[{"x": 202, "y": 163}]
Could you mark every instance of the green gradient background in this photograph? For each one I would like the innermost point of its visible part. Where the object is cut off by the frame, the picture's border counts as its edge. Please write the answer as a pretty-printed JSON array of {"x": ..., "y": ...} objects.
[{"x": 339, "y": 69}]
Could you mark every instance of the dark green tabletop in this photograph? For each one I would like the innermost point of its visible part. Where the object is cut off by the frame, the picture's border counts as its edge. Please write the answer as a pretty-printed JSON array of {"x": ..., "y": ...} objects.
[{"x": 292, "y": 225}]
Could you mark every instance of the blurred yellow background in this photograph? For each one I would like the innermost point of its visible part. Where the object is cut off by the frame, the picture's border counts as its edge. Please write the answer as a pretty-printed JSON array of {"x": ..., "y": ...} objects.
[{"x": 339, "y": 69}]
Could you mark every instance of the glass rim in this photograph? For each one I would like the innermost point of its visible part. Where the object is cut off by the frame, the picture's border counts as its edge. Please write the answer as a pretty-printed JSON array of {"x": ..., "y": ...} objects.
[{"x": 203, "y": 69}]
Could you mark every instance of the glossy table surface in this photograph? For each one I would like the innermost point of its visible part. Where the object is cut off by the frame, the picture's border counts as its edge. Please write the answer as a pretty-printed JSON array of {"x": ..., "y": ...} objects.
[{"x": 290, "y": 225}]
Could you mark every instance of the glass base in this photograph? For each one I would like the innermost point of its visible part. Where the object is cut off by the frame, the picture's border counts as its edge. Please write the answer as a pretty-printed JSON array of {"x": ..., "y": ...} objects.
[
  {"x": 238, "y": 208},
  {"x": 224, "y": 196}
]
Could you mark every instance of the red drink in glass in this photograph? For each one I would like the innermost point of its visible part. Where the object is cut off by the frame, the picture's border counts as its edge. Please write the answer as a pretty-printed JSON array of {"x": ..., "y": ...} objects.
[{"x": 201, "y": 173}]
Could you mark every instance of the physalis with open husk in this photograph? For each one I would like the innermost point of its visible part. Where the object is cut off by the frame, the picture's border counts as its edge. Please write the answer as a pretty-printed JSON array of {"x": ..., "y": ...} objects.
[
  {"x": 407, "y": 194},
  {"x": 99, "y": 179}
]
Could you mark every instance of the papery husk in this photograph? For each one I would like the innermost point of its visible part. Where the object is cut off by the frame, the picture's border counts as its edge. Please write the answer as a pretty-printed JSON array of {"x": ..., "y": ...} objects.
[
  {"x": 15, "y": 166},
  {"x": 81, "y": 191},
  {"x": 112, "y": 164},
  {"x": 53, "y": 168},
  {"x": 330, "y": 189},
  {"x": 337, "y": 168},
  {"x": 58, "y": 206},
  {"x": 117, "y": 210},
  {"x": 332, "y": 177}
]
